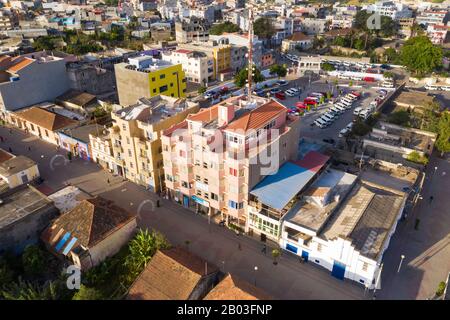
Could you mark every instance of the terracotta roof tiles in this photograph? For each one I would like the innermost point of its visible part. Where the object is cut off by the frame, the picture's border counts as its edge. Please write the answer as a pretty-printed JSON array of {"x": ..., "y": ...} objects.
[{"x": 46, "y": 119}]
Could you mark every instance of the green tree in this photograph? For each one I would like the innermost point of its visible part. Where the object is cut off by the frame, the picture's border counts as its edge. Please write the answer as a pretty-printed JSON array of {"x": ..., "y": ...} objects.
[
  {"x": 6, "y": 273},
  {"x": 388, "y": 27},
  {"x": 279, "y": 70},
  {"x": 264, "y": 28},
  {"x": 391, "y": 56},
  {"x": 359, "y": 44},
  {"x": 328, "y": 67},
  {"x": 275, "y": 254},
  {"x": 240, "y": 79},
  {"x": 360, "y": 128},
  {"x": 86, "y": 293},
  {"x": 420, "y": 55},
  {"x": 400, "y": 117},
  {"x": 226, "y": 26},
  {"x": 201, "y": 90},
  {"x": 443, "y": 140},
  {"x": 416, "y": 157},
  {"x": 142, "y": 247},
  {"x": 441, "y": 288},
  {"x": 26, "y": 290},
  {"x": 34, "y": 260}
]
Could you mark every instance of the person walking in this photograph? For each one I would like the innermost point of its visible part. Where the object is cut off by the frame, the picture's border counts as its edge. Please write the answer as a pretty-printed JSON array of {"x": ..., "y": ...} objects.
[
  {"x": 239, "y": 246},
  {"x": 10, "y": 150},
  {"x": 264, "y": 249},
  {"x": 431, "y": 199},
  {"x": 29, "y": 148},
  {"x": 1, "y": 139}
]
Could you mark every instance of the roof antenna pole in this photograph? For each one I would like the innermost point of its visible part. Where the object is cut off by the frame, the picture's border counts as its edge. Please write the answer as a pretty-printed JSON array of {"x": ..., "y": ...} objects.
[{"x": 250, "y": 54}]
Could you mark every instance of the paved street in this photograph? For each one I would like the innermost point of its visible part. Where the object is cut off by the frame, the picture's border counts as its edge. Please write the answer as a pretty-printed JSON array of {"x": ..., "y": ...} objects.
[
  {"x": 427, "y": 249},
  {"x": 287, "y": 280}
]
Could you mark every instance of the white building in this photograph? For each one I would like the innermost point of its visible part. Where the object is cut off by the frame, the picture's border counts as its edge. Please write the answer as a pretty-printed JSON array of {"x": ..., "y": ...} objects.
[
  {"x": 438, "y": 33},
  {"x": 349, "y": 239},
  {"x": 392, "y": 9},
  {"x": 432, "y": 17},
  {"x": 198, "y": 67}
]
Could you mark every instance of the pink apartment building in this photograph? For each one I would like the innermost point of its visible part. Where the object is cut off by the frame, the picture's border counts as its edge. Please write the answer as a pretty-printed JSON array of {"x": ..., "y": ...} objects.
[{"x": 216, "y": 156}]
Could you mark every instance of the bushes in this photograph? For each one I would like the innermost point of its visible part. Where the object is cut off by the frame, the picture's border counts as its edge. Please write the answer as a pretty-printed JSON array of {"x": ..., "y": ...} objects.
[
  {"x": 360, "y": 128},
  {"x": 34, "y": 260},
  {"x": 401, "y": 118},
  {"x": 86, "y": 293},
  {"x": 416, "y": 157},
  {"x": 441, "y": 288}
]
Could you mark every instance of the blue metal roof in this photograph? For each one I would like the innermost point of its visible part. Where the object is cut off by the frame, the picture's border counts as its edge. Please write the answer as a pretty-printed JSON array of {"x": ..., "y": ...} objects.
[{"x": 277, "y": 190}]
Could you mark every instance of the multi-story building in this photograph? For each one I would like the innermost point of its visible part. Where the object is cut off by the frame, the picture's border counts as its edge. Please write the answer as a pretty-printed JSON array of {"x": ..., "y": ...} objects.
[
  {"x": 192, "y": 29},
  {"x": 313, "y": 26},
  {"x": 432, "y": 17},
  {"x": 219, "y": 51},
  {"x": 135, "y": 137},
  {"x": 197, "y": 66},
  {"x": 393, "y": 9},
  {"x": 6, "y": 21},
  {"x": 29, "y": 80},
  {"x": 101, "y": 148},
  {"x": 438, "y": 33},
  {"x": 341, "y": 21},
  {"x": 147, "y": 77},
  {"x": 91, "y": 78},
  {"x": 214, "y": 158}
]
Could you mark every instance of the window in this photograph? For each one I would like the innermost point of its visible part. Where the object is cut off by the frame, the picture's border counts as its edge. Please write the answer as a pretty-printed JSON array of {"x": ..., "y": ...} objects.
[
  {"x": 365, "y": 266},
  {"x": 197, "y": 163},
  {"x": 199, "y": 193},
  {"x": 124, "y": 126},
  {"x": 153, "y": 79},
  {"x": 162, "y": 76},
  {"x": 197, "y": 178},
  {"x": 185, "y": 184},
  {"x": 233, "y": 172},
  {"x": 319, "y": 247},
  {"x": 131, "y": 165},
  {"x": 317, "y": 261},
  {"x": 205, "y": 165},
  {"x": 128, "y": 140},
  {"x": 184, "y": 80},
  {"x": 154, "y": 90},
  {"x": 235, "y": 205},
  {"x": 214, "y": 196},
  {"x": 129, "y": 153},
  {"x": 46, "y": 133},
  {"x": 205, "y": 181},
  {"x": 171, "y": 84},
  {"x": 206, "y": 195},
  {"x": 163, "y": 89},
  {"x": 361, "y": 280},
  {"x": 182, "y": 153}
]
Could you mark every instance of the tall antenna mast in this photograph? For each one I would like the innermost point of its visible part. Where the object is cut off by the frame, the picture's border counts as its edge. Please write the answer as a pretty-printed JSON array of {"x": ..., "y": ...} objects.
[{"x": 250, "y": 54}]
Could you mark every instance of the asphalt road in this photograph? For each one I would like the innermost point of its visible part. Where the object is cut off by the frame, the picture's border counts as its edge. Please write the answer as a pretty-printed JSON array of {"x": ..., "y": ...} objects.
[{"x": 289, "y": 279}]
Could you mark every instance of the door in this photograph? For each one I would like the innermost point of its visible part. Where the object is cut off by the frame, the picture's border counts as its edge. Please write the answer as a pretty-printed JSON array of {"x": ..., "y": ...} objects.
[
  {"x": 305, "y": 255},
  {"x": 338, "y": 270},
  {"x": 185, "y": 201},
  {"x": 263, "y": 237},
  {"x": 24, "y": 179}
]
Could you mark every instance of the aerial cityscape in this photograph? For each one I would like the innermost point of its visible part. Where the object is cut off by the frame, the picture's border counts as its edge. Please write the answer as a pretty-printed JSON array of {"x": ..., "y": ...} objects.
[{"x": 224, "y": 150}]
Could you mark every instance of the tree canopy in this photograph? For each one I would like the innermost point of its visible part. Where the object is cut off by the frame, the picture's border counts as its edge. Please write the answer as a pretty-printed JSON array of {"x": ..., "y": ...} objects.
[
  {"x": 226, "y": 26},
  {"x": 420, "y": 55},
  {"x": 443, "y": 140},
  {"x": 264, "y": 28},
  {"x": 279, "y": 70},
  {"x": 241, "y": 77}
]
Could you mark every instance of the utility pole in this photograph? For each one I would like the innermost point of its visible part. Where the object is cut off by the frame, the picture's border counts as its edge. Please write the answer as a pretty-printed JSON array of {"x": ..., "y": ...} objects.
[{"x": 250, "y": 55}]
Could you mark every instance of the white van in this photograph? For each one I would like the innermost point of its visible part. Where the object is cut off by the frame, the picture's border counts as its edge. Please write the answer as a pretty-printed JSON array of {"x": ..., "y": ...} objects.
[
  {"x": 340, "y": 107},
  {"x": 346, "y": 100},
  {"x": 357, "y": 111},
  {"x": 365, "y": 114},
  {"x": 320, "y": 123},
  {"x": 346, "y": 104},
  {"x": 328, "y": 118},
  {"x": 337, "y": 110}
]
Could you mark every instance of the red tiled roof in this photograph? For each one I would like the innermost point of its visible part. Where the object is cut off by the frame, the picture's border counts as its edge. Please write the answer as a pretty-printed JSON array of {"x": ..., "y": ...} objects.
[
  {"x": 183, "y": 51},
  {"x": 44, "y": 118},
  {"x": 20, "y": 65},
  {"x": 313, "y": 161},
  {"x": 206, "y": 115},
  {"x": 256, "y": 118},
  {"x": 233, "y": 288}
]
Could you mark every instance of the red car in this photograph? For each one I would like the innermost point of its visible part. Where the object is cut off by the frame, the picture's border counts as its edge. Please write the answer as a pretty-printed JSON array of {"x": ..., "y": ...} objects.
[
  {"x": 310, "y": 102},
  {"x": 369, "y": 79},
  {"x": 280, "y": 95}
]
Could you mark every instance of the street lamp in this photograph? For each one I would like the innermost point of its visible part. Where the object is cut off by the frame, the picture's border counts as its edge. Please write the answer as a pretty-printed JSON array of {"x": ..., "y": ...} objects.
[
  {"x": 256, "y": 269},
  {"x": 400, "y": 265}
]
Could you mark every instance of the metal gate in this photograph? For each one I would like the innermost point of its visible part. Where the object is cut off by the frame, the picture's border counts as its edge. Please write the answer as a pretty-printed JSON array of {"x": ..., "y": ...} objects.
[{"x": 338, "y": 270}]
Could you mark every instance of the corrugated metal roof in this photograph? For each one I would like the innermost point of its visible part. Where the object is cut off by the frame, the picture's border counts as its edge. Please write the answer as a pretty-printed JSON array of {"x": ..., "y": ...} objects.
[{"x": 277, "y": 190}]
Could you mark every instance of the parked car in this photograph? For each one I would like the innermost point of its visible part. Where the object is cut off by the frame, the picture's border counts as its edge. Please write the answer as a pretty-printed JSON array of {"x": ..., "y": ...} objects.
[
  {"x": 280, "y": 95},
  {"x": 328, "y": 140},
  {"x": 274, "y": 91},
  {"x": 321, "y": 124},
  {"x": 357, "y": 111},
  {"x": 282, "y": 83},
  {"x": 292, "y": 92},
  {"x": 343, "y": 132}
]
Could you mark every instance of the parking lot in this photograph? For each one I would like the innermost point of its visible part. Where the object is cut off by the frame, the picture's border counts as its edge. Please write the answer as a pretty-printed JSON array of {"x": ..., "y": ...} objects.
[{"x": 308, "y": 129}]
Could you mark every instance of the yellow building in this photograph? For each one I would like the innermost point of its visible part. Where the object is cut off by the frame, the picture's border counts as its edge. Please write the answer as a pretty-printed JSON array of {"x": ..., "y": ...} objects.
[
  {"x": 220, "y": 52},
  {"x": 135, "y": 137},
  {"x": 147, "y": 77}
]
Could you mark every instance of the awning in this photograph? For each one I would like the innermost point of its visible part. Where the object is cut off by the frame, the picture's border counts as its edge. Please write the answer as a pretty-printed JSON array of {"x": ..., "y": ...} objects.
[{"x": 277, "y": 190}]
